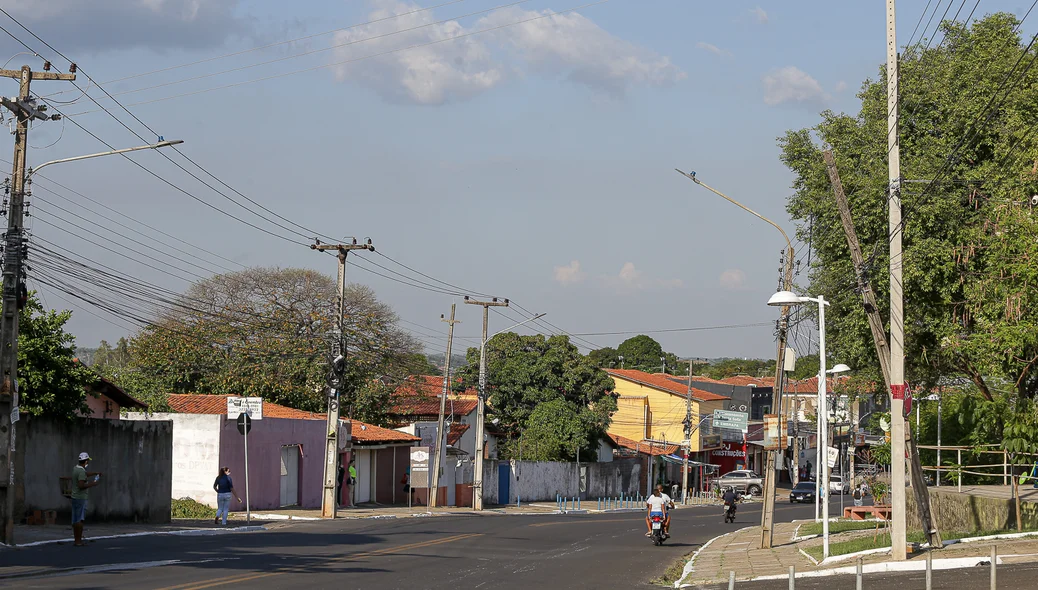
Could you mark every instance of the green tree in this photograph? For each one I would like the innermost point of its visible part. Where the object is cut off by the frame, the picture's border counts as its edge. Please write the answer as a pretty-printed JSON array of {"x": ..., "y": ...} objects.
[
  {"x": 607, "y": 358},
  {"x": 645, "y": 354},
  {"x": 51, "y": 381},
  {"x": 545, "y": 388},
  {"x": 732, "y": 367},
  {"x": 267, "y": 332},
  {"x": 967, "y": 238}
]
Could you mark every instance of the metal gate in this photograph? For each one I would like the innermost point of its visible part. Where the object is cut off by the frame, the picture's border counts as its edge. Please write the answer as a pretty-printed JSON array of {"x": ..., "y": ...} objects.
[{"x": 504, "y": 477}]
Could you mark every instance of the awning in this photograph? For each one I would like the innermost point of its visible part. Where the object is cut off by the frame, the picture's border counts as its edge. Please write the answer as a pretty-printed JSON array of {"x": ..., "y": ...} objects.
[{"x": 677, "y": 460}]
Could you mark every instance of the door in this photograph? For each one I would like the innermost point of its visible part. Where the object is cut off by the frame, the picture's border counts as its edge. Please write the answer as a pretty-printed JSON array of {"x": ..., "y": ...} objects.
[
  {"x": 504, "y": 476},
  {"x": 290, "y": 475}
]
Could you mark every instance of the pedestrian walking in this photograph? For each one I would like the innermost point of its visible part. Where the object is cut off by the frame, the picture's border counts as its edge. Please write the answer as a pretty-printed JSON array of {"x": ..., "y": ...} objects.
[
  {"x": 224, "y": 487},
  {"x": 352, "y": 503},
  {"x": 859, "y": 493},
  {"x": 82, "y": 481}
]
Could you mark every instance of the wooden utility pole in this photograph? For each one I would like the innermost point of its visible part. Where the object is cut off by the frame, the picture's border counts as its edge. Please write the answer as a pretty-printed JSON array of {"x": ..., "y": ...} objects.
[
  {"x": 879, "y": 337},
  {"x": 336, "y": 378},
  {"x": 25, "y": 109},
  {"x": 481, "y": 406},
  {"x": 898, "y": 529},
  {"x": 879, "y": 333},
  {"x": 441, "y": 437}
]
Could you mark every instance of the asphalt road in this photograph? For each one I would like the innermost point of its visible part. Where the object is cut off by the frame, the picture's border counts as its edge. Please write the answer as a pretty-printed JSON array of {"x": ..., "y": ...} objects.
[{"x": 500, "y": 552}]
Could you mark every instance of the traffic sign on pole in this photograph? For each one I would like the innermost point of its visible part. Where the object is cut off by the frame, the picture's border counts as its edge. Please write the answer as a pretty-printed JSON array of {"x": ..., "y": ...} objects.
[
  {"x": 731, "y": 420},
  {"x": 244, "y": 424}
]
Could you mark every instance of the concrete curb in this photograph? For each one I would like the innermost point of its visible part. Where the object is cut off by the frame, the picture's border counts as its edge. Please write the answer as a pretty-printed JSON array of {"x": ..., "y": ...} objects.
[
  {"x": 183, "y": 532},
  {"x": 690, "y": 566},
  {"x": 887, "y": 567},
  {"x": 284, "y": 517}
]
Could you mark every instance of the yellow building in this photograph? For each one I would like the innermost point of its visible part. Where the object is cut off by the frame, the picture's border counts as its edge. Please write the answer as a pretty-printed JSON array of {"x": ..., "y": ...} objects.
[{"x": 652, "y": 407}]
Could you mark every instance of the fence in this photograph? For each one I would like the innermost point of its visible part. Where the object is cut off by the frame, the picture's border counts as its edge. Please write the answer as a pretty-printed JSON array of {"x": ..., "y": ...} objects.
[{"x": 1008, "y": 465}]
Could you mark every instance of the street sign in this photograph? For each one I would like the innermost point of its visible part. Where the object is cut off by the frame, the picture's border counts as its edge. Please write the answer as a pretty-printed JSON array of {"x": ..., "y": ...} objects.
[
  {"x": 240, "y": 405},
  {"x": 772, "y": 440},
  {"x": 731, "y": 420},
  {"x": 831, "y": 455},
  {"x": 419, "y": 467},
  {"x": 244, "y": 424}
]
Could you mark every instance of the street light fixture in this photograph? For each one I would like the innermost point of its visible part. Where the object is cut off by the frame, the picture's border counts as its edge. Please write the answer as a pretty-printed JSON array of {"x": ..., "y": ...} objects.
[
  {"x": 788, "y": 298},
  {"x": 151, "y": 146},
  {"x": 768, "y": 513}
]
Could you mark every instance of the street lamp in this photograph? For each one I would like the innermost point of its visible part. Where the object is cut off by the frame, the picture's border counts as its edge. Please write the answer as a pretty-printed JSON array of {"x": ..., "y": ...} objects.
[
  {"x": 768, "y": 513},
  {"x": 151, "y": 146},
  {"x": 786, "y": 299}
]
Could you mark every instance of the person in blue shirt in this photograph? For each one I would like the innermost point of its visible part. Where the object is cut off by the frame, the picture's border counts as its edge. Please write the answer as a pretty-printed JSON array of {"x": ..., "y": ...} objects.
[{"x": 224, "y": 490}]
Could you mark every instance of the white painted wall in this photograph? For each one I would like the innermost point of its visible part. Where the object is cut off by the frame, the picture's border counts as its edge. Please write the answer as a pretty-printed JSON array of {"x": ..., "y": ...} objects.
[{"x": 196, "y": 453}]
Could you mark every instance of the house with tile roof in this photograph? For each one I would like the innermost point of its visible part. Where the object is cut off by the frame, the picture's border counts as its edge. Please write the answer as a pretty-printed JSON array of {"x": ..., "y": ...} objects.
[{"x": 106, "y": 400}]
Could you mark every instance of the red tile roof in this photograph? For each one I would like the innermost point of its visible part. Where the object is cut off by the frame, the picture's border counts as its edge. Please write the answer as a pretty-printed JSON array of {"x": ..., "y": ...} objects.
[
  {"x": 419, "y": 395},
  {"x": 810, "y": 385},
  {"x": 747, "y": 381},
  {"x": 455, "y": 434},
  {"x": 369, "y": 433},
  {"x": 662, "y": 383},
  {"x": 193, "y": 403},
  {"x": 644, "y": 447}
]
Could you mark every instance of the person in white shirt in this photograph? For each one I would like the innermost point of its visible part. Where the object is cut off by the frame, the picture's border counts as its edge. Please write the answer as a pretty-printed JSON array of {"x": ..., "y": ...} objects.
[
  {"x": 669, "y": 502},
  {"x": 655, "y": 504}
]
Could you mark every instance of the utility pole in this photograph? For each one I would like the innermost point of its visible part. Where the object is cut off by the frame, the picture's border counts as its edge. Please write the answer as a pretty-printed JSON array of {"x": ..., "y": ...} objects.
[
  {"x": 879, "y": 338},
  {"x": 481, "y": 405},
  {"x": 336, "y": 378},
  {"x": 688, "y": 435},
  {"x": 768, "y": 513},
  {"x": 898, "y": 530},
  {"x": 441, "y": 448},
  {"x": 14, "y": 292}
]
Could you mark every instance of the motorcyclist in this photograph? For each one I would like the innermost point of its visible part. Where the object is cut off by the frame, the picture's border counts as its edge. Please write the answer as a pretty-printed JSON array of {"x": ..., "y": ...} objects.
[
  {"x": 669, "y": 504},
  {"x": 730, "y": 498},
  {"x": 655, "y": 504}
]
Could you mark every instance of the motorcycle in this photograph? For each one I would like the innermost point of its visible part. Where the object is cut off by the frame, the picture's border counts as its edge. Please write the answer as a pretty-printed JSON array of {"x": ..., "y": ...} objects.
[
  {"x": 729, "y": 513},
  {"x": 657, "y": 529}
]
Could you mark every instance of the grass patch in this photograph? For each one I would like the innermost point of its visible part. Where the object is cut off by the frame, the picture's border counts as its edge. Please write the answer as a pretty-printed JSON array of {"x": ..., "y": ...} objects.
[
  {"x": 883, "y": 540},
  {"x": 189, "y": 508},
  {"x": 673, "y": 573},
  {"x": 840, "y": 526}
]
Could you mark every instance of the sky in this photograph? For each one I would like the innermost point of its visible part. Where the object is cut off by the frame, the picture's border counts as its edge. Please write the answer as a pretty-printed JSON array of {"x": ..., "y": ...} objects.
[{"x": 488, "y": 145}]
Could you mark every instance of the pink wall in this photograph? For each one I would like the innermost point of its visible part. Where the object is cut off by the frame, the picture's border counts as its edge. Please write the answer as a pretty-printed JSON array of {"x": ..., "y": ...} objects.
[
  {"x": 265, "y": 441},
  {"x": 98, "y": 405}
]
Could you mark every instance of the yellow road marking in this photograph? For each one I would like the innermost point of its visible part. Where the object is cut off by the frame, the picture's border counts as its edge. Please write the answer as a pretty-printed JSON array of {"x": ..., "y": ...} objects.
[{"x": 294, "y": 569}]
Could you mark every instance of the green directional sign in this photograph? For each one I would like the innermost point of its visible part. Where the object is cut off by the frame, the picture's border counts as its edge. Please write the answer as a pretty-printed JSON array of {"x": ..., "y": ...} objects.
[{"x": 730, "y": 420}]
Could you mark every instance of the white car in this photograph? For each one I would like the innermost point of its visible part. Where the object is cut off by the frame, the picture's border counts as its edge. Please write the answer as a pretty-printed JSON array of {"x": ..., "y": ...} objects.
[{"x": 836, "y": 485}]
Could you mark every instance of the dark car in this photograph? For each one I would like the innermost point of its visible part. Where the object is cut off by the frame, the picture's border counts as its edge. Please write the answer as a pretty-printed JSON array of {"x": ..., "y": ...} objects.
[{"x": 803, "y": 492}]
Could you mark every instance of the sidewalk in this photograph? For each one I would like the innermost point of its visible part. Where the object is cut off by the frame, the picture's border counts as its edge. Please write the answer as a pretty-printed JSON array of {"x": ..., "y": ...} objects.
[{"x": 738, "y": 552}]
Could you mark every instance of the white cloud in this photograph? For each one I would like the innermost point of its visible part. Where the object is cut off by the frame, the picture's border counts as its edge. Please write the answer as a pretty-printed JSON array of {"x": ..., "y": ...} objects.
[
  {"x": 841, "y": 86},
  {"x": 570, "y": 274},
  {"x": 791, "y": 84},
  {"x": 733, "y": 279},
  {"x": 98, "y": 25},
  {"x": 759, "y": 14},
  {"x": 566, "y": 45},
  {"x": 713, "y": 49},
  {"x": 630, "y": 277}
]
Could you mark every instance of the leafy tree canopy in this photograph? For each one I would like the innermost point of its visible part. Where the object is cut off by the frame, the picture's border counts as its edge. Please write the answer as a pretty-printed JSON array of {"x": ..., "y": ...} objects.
[
  {"x": 268, "y": 332},
  {"x": 544, "y": 388},
  {"x": 51, "y": 381},
  {"x": 969, "y": 251},
  {"x": 607, "y": 358},
  {"x": 732, "y": 367},
  {"x": 645, "y": 354}
]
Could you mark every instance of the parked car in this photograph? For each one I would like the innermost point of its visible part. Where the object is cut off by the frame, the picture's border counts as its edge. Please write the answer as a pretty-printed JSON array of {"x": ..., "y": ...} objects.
[
  {"x": 743, "y": 480},
  {"x": 802, "y": 492},
  {"x": 836, "y": 485}
]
